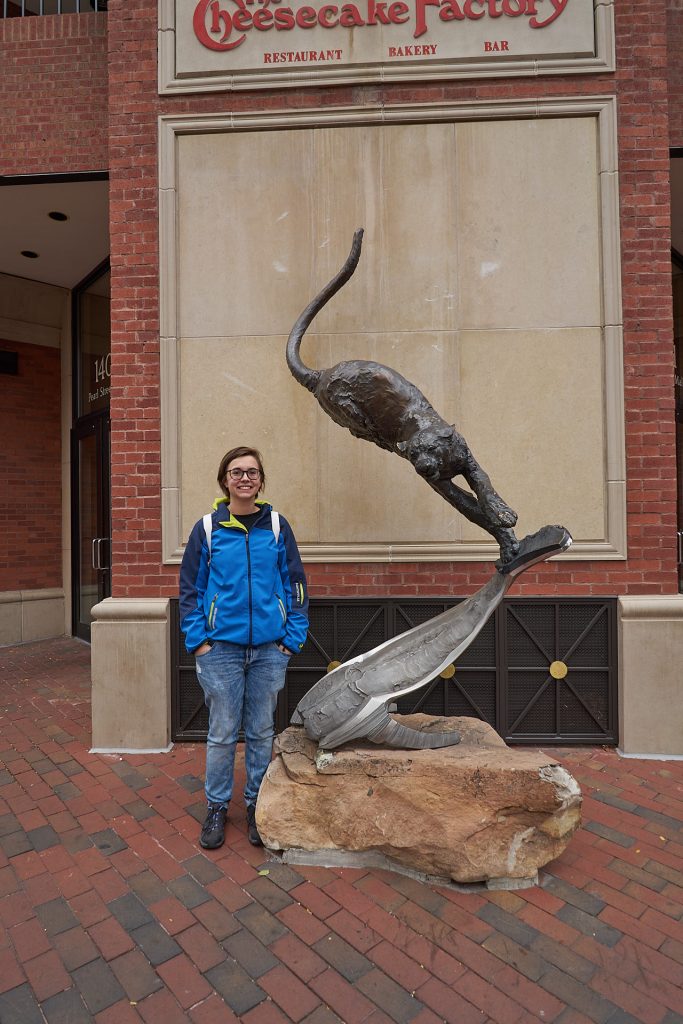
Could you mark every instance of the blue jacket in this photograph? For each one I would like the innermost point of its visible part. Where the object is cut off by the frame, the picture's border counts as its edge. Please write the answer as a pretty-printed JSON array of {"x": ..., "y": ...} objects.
[{"x": 252, "y": 591}]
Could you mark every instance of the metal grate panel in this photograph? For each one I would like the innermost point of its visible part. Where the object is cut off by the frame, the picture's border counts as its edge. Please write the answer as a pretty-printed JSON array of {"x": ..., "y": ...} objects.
[{"x": 502, "y": 678}]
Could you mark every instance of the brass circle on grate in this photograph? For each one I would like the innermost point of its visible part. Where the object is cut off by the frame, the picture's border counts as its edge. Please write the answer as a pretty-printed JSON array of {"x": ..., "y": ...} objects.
[
  {"x": 332, "y": 665},
  {"x": 558, "y": 670},
  {"x": 448, "y": 672}
]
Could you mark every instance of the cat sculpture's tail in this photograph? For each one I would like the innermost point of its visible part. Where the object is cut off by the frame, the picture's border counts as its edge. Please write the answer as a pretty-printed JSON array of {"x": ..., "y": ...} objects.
[{"x": 304, "y": 374}]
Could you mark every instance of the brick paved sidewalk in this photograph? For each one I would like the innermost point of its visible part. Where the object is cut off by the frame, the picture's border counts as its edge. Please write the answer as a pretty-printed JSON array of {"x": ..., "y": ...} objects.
[{"x": 111, "y": 912}]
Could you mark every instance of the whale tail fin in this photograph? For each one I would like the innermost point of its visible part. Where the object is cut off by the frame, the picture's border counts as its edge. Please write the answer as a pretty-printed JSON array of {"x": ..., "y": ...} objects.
[{"x": 393, "y": 734}]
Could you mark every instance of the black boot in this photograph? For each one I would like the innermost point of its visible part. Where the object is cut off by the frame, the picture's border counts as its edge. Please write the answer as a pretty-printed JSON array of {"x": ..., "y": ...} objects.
[
  {"x": 252, "y": 831},
  {"x": 213, "y": 829}
]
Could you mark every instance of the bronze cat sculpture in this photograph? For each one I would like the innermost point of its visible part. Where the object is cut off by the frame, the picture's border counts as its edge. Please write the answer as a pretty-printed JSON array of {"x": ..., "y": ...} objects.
[{"x": 378, "y": 404}]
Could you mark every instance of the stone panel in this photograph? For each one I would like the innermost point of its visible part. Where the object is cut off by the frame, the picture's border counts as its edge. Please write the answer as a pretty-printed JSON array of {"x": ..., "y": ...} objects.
[
  {"x": 528, "y": 223},
  {"x": 531, "y": 408}
]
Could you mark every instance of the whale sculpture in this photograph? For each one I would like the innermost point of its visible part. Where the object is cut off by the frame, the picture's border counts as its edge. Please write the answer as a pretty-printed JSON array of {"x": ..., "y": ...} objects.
[
  {"x": 351, "y": 702},
  {"x": 378, "y": 404}
]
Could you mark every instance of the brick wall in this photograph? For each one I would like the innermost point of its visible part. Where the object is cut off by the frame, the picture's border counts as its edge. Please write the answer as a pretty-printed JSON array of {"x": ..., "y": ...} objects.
[
  {"x": 675, "y": 71},
  {"x": 641, "y": 87},
  {"x": 30, "y": 471},
  {"x": 53, "y": 94}
]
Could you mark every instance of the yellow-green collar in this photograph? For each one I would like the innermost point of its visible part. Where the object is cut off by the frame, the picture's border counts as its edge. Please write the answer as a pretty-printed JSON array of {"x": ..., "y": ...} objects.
[{"x": 234, "y": 523}]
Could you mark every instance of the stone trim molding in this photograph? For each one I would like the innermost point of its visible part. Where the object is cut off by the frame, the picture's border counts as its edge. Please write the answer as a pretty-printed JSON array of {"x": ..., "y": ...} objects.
[
  {"x": 439, "y": 71},
  {"x": 666, "y": 606},
  {"x": 13, "y": 596},
  {"x": 27, "y": 615},
  {"x": 131, "y": 609},
  {"x": 610, "y": 547}
]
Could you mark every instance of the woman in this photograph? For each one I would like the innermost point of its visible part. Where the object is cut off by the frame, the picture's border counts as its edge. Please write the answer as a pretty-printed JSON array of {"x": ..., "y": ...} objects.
[{"x": 244, "y": 611}]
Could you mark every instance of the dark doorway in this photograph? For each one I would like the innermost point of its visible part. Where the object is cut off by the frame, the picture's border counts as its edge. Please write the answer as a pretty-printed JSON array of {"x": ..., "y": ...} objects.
[
  {"x": 90, "y": 461},
  {"x": 677, "y": 282},
  {"x": 90, "y": 518}
]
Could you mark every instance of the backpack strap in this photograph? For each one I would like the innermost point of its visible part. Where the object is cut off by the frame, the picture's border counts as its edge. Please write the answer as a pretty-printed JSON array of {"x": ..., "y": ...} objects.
[
  {"x": 207, "y": 530},
  {"x": 275, "y": 523}
]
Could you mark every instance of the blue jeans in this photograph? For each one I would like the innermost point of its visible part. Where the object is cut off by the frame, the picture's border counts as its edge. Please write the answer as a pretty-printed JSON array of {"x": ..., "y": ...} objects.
[{"x": 240, "y": 687}]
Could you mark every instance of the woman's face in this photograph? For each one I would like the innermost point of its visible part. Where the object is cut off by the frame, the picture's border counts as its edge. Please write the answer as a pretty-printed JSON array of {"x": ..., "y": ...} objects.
[{"x": 243, "y": 486}]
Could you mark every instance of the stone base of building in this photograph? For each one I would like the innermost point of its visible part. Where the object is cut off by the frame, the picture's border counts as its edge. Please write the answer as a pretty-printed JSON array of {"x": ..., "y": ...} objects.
[
  {"x": 650, "y": 671},
  {"x": 27, "y": 615},
  {"x": 131, "y": 675}
]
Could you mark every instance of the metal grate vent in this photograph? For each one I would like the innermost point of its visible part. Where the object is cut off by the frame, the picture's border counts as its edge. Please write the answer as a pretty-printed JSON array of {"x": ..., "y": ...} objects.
[{"x": 503, "y": 678}]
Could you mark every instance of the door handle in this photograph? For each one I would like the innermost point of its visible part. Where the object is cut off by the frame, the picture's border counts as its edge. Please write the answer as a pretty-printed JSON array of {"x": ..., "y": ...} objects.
[
  {"x": 100, "y": 542},
  {"x": 97, "y": 543}
]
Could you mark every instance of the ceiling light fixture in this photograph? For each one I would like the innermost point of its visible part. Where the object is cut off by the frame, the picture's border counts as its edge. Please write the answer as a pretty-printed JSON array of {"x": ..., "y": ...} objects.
[
  {"x": 57, "y": 215},
  {"x": 29, "y": 254}
]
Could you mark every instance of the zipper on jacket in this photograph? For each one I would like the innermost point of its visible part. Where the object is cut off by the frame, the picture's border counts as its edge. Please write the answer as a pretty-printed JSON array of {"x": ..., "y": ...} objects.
[{"x": 246, "y": 541}]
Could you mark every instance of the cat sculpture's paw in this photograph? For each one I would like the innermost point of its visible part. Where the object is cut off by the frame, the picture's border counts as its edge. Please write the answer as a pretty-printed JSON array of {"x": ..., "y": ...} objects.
[{"x": 501, "y": 514}]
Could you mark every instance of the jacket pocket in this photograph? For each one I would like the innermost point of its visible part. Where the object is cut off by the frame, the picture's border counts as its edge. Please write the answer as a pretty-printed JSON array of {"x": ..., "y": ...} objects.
[
  {"x": 283, "y": 611},
  {"x": 213, "y": 609}
]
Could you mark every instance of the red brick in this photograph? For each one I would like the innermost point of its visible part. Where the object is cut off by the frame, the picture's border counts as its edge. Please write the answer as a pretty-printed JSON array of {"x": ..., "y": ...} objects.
[
  {"x": 303, "y": 923},
  {"x": 219, "y": 921},
  {"x": 497, "y": 1005},
  {"x": 120, "y": 1013},
  {"x": 8, "y": 882},
  {"x": 341, "y": 997},
  {"x": 637, "y": 929},
  {"x": 201, "y": 947},
  {"x": 47, "y": 976},
  {"x": 29, "y": 939},
  {"x": 315, "y": 900},
  {"x": 184, "y": 981},
  {"x": 72, "y": 882},
  {"x": 229, "y": 893},
  {"x": 161, "y": 1008},
  {"x": 304, "y": 962},
  {"x": 291, "y": 995},
  {"x": 213, "y": 1011},
  {"x": 535, "y": 999},
  {"x": 264, "y": 1013},
  {"x": 448, "y": 1004},
  {"x": 172, "y": 915},
  {"x": 109, "y": 885},
  {"x": 354, "y": 931},
  {"x": 11, "y": 973},
  {"x": 88, "y": 908},
  {"x": 398, "y": 966},
  {"x": 644, "y": 1008},
  {"x": 110, "y": 938}
]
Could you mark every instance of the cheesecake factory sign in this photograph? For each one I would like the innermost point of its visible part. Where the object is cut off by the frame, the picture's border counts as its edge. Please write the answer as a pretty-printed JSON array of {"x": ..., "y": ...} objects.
[{"x": 262, "y": 43}]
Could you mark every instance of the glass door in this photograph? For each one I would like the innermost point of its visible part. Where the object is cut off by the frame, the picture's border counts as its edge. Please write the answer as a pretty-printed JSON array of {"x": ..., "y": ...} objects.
[
  {"x": 91, "y": 519},
  {"x": 90, "y": 469},
  {"x": 677, "y": 269}
]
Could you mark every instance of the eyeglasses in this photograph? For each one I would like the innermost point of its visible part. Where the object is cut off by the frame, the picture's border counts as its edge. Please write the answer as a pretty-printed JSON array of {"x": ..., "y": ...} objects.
[{"x": 237, "y": 474}]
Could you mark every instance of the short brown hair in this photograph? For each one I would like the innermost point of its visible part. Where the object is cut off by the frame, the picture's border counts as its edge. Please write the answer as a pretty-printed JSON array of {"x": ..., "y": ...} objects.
[{"x": 239, "y": 453}]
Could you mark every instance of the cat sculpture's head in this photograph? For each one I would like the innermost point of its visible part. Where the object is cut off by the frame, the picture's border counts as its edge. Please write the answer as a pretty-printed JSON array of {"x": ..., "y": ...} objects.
[{"x": 434, "y": 454}]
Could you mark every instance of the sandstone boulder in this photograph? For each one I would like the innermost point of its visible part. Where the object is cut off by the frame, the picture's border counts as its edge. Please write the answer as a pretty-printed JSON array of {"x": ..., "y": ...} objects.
[{"x": 472, "y": 812}]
